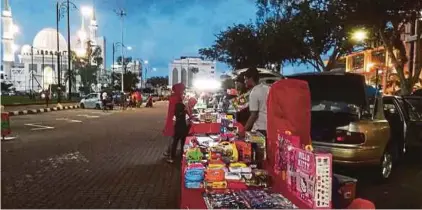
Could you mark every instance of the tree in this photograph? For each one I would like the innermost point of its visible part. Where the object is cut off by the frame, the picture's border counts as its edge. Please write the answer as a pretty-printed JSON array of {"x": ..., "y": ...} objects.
[
  {"x": 194, "y": 70},
  {"x": 313, "y": 28},
  {"x": 158, "y": 81},
  {"x": 6, "y": 86},
  {"x": 387, "y": 20},
  {"x": 130, "y": 81},
  {"x": 237, "y": 46},
  {"x": 88, "y": 66}
]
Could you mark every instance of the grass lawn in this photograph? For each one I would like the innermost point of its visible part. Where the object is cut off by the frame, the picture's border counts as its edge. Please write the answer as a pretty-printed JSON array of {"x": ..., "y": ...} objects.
[{"x": 16, "y": 100}]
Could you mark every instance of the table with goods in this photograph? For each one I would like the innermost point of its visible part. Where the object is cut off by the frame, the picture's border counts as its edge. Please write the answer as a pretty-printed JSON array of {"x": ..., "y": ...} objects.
[{"x": 220, "y": 170}]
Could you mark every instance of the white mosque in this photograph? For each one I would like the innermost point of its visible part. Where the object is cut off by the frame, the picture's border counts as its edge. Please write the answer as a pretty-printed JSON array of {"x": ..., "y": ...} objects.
[{"x": 35, "y": 66}]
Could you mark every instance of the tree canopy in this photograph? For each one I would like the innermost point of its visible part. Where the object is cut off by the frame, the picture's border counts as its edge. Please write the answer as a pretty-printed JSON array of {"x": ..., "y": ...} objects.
[
  {"x": 319, "y": 32},
  {"x": 158, "y": 81}
]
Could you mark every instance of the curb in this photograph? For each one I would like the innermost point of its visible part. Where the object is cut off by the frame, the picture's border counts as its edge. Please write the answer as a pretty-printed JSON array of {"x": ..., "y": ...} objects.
[{"x": 36, "y": 111}]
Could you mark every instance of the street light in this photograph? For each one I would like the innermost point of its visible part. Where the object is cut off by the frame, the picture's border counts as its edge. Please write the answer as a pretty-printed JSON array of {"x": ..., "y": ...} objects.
[
  {"x": 87, "y": 11},
  {"x": 129, "y": 48},
  {"x": 60, "y": 8},
  {"x": 360, "y": 35},
  {"x": 80, "y": 52},
  {"x": 82, "y": 35}
]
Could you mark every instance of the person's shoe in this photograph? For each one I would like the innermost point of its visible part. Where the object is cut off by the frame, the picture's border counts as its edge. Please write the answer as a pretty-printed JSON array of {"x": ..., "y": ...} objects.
[{"x": 170, "y": 161}]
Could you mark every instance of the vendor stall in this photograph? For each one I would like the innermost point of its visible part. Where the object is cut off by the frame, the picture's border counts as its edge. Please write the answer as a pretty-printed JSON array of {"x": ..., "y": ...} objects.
[{"x": 221, "y": 170}]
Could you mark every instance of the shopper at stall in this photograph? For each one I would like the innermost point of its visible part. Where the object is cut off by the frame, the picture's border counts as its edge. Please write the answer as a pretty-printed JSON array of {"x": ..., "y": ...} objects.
[
  {"x": 175, "y": 98},
  {"x": 257, "y": 102},
  {"x": 242, "y": 115}
]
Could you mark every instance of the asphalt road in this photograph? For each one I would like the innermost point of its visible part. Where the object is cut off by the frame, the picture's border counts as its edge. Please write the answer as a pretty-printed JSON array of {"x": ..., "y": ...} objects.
[{"x": 93, "y": 159}]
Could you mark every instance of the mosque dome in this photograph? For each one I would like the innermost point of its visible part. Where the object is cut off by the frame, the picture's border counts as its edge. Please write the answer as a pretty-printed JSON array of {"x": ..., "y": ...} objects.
[
  {"x": 46, "y": 39},
  {"x": 26, "y": 50}
]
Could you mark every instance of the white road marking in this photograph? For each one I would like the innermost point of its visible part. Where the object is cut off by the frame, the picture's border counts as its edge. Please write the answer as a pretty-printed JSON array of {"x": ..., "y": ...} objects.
[
  {"x": 87, "y": 116},
  {"x": 69, "y": 120},
  {"x": 39, "y": 127}
]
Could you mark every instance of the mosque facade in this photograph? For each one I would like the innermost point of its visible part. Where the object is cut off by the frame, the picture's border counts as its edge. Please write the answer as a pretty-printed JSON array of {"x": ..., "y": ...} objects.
[{"x": 35, "y": 66}]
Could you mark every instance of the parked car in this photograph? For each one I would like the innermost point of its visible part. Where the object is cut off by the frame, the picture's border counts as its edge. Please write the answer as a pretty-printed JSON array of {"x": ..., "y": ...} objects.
[
  {"x": 93, "y": 101},
  {"x": 356, "y": 134}
]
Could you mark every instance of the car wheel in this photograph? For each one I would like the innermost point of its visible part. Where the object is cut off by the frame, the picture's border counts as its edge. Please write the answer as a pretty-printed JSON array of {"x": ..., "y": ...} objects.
[
  {"x": 97, "y": 106},
  {"x": 82, "y": 106},
  {"x": 387, "y": 163}
]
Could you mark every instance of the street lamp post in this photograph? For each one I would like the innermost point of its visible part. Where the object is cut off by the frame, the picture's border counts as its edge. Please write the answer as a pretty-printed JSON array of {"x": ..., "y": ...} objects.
[
  {"x": 115, "y": 45},
  {"x": 59, "y": 7},
  {"x": 121, "y": 13}
]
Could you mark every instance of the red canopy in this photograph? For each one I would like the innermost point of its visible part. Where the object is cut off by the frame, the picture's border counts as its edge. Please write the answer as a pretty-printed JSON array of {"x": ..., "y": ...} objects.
[{"x": 288, "y": 109}]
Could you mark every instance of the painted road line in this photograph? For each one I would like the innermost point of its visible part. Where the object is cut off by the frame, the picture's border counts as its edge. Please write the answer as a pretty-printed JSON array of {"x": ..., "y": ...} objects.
[
  {"x": 39, "y": 127},
  {"x": 69, "y": 120},
  {"x": 87, "y": 116}
]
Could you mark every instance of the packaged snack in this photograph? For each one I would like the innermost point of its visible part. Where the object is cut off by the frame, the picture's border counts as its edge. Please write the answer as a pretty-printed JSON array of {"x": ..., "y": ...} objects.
[
  {"x": 216, "y": 185},
  {"x": 214, "y": 175}
]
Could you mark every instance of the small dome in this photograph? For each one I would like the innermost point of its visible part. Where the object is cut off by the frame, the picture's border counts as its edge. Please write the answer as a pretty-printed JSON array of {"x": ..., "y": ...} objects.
[
  {"x": 46, "y": 39},
  {"x": 26, "y": 49}
]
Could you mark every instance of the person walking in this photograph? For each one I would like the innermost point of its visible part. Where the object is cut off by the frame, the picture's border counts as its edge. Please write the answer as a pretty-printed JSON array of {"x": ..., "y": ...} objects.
[
  {"x": 175, "y": 109},
  {"x": 104, "y": 98}
]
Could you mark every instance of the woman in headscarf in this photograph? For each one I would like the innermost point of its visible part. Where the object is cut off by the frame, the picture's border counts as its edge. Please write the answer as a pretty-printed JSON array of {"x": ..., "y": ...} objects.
[{"x": 175, "y": 99}]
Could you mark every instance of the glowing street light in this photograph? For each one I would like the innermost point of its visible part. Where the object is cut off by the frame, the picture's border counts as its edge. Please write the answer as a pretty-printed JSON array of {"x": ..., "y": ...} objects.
[
  {"x": 82, "y": 35},
  {"x": 360, "y": 35},
  {"x": 129, "y": 48},
  {"x": 154, "y": 69},
  {"x": 80, "y": 53},
  {"x": 87, "y": 11},
  {"x": 369, "y": 67},
  {"x": 145, "y": 61}
]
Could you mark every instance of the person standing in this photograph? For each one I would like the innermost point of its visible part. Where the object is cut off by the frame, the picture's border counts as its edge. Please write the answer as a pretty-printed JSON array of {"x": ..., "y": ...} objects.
[
  {"x": 257, "y": 102},
  {"x": 170, "y": 126},
  {"x": 104, "y": 97},
  {"x": 242, "y": 115}
]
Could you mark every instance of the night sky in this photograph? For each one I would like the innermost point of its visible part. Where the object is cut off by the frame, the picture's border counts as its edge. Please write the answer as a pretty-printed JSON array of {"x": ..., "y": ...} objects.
[{"x": 157, "y": 30}]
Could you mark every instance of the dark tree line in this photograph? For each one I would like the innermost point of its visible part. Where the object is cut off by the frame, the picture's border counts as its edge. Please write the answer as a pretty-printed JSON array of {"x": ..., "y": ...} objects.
[{"x": 313, "y": 31}]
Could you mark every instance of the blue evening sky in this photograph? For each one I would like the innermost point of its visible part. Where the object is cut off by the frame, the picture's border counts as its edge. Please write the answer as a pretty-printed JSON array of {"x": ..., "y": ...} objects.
[{"x": 158, "y": 30}]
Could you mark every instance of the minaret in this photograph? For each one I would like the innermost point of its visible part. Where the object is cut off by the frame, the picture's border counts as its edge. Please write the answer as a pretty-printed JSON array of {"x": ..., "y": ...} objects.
[
  {"x": 93, "y": 28},
  {"x": 8, "y": 33}
]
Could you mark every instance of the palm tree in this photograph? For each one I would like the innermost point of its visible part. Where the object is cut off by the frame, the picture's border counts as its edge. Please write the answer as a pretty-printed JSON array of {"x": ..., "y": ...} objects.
[{"x": 71, "y": 76}]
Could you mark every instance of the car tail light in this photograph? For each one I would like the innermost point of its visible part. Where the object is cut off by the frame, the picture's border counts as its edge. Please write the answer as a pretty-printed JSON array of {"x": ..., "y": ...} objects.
[{"x": 347, "y": 137}]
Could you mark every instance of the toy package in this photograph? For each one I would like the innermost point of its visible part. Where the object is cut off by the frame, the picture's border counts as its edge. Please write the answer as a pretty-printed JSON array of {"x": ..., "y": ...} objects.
[
  {"x": 309, "y": 177},
  {"x": 245, "y": 151},
  {"x": 286, "y": 142},
  {"x": 259, "y": 140}
]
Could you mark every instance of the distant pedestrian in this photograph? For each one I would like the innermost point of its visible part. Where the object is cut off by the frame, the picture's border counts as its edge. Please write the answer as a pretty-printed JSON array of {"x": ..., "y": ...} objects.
[
  {"x": 104, "y": 99},
  {"x": 47, "y": 97},
  {"x": 149, "y": 101}
]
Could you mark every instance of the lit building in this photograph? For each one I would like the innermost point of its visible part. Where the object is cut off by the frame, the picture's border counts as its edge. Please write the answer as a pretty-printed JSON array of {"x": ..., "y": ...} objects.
[
  {"x": 186, "y": 69},
  {"x": 365, "y": 62},
  {"x": 37, "y": 65},
  {"x": 8, "y": 46}
]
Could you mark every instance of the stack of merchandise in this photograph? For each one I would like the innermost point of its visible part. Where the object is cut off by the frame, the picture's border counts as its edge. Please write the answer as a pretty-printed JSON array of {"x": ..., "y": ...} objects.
[
  {"x": 221, "y": 164},
  {"x": 225, "y": 170},
  {"x": 241, "y": 102},
  {"x": 247, "y": 199}
]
